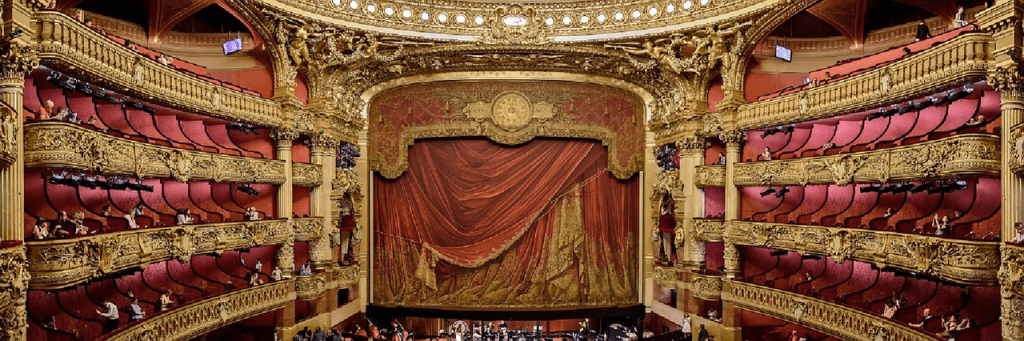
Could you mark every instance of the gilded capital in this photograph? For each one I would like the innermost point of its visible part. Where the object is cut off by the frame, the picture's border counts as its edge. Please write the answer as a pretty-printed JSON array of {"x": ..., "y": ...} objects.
[
  {"x": 282, "y": 135},
  {"x": 323, "y": 143},
  {"x": 16, "y": 61},
  {"x": 692, "y": 145},
  {"x": 1007, "y": 79},
  {"x": 733, "y": 138}
]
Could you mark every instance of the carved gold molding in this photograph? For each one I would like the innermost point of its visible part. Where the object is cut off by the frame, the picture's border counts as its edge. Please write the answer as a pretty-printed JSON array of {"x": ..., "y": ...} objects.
[
  {"x": 13, "y": 288},
  {"x": 961, "y": 261},
  {"x": 958, "y": 155},
  {"x": 484, "y": 21},
  {"x": 307, "y": 174},
  {"x": 56, "y": 264},
  {"x": 709, "y": 176},
  {"x": 666, "y": 276},
  {"x": 10, "y": 128},
  {"x": 951, "y": 64},
  {"x": 1016, "y": 160},
  {"x": 706, "y": 287},
  {"x": 310, "y": 287},
  {"x": 347, "y": 275},
  {"x": 201, "y": 317},
  {"x": 66, "y": 44},
  {"x": 65, "y": 145},
  {"x": 308, "y": 229},
  {"x": 1011, "y": 280},
  {"x": 708, "y": 230},
  {"x": 836, "y": 320}
]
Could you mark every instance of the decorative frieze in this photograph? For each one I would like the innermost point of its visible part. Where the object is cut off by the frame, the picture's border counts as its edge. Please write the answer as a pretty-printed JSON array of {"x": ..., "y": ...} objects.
[
  {"x": 201, "y": 317},
  {"x": 708, "y": 230},
  {"x": 706, "y": 287},
  {"x": 13, "y": 288},
  {"x": 1011, "y": 281},
  {"x": 307, "y": 174},
  {"x": 65, "y": 145},
  {"x": 962, "y": 261},
  {"x": 709, "y": 176},
  {"x": 833, "y": 319},
  {"x": 308, "y": 229},
  {"x": 948, "y": 65},
  {"x": 60, "y": 263},
  {"x": 66, "y": 44},
  {"x": 310, "y": 287},
  {"x": 958, "y": 155},
  {"x": 665, "y": 276},
  {"x": 347, "y": 275}
]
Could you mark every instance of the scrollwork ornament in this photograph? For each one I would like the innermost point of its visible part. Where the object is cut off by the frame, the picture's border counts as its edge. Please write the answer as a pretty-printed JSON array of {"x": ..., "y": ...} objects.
[
  {"x": 10, "y": 127},
  {"x": 323, "y": 143},
  {"x": 693, "y": 145},
  {"x": 17, "y": 59},
  {"x": 733, "y": 138},
  {"x": 1007, "y": 78}
]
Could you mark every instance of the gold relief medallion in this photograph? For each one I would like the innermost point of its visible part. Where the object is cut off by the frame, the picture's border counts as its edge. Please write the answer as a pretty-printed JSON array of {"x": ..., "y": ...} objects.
[{"x": 511, "y": 111}]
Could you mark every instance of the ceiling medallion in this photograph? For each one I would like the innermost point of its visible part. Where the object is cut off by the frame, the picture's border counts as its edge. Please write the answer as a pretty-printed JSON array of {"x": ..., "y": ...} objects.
[{"x": 515, "y": 24}]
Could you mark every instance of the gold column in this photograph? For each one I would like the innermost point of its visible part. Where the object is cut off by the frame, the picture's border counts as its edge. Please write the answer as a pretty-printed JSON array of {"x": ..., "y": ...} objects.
[
  {"x": 283, "y": 139},
  {"x": 322, "y": 152},
  {"x": 17, "y": 59},
  {"x": 733, "y": 144},
  {"x": 1006, "y": 75},
  {"x": 691, "y": 155}
]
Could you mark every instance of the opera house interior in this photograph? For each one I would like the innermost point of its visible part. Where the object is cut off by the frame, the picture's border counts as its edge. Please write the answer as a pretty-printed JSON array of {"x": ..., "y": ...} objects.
[{"x": 491, "y": 170}]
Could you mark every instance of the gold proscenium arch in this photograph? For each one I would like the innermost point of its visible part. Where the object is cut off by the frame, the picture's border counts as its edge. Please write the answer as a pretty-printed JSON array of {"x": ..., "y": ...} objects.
[{"x": 510, "y": 130}]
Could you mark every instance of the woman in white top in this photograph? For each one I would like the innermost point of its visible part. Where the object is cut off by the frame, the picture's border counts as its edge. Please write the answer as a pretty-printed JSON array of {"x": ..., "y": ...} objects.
[
  {"x": 958, "y": 20},
  {"x": 687, "y": 328},
  {"x": 41, "y": 230},
  {"x": 184, "y": 217}
]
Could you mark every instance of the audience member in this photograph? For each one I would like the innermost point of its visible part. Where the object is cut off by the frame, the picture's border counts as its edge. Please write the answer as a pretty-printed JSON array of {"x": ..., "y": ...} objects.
[
  {"x": 135, "y": 212},
  {"x": 53, "y": 5},
  {"x": 890, "y": 309},
  {"x": 702, "y": 335},
  {"x": 306, "y": 269},
  {"x": 79, "y": 221},
  {"x": 889, "y": 212},
  {"x": 959, "y": 20},
  {"x": 687, "y": 328},
  {"x": 88, "y": 23},
  {"x": 106, "y": 210},
  {"x": 721, "y": 158},
  {"x": 276, "y": 274},
  {"x": 259, "y": 265},
  {"x": 1019, "y": 238},
  {"x": 129, "y": 293},
  {"x": 41, "y": 230},
  {"x": 923, "y": 32},
  {"x": 251, "y": 214},
  {"x": 184, "y": 216},
  {"x": 135, "y": 311},
  {"x": 165, "y": 300},
  {"x": 767, "y": 155},
  {"x": 50, "y": 322},
  {"x": 113, "y": 320},
  {"x": 975, "y": 121},
  {"x": 165, "y": 59},
  {"x": 80, "y": 16},
  {"x": 45, "y": 111},
  {"x": 62, "y": 226},
  {"x": 254, "y": 279},
  {"x": 319, "y": 335},
  {"x": 131, "y": 46},
  {"x": 793, "y": 336},
  {"x": 713, "y": 315},
  {"x": 925, "y": 316}
]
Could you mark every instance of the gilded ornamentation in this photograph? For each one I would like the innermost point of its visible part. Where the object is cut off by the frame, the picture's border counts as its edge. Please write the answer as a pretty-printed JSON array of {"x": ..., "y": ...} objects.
[
  {"x": 1016, "y": 140},
  {"x": 10, "y": 128},
  {"x": 515, "y": 24},
  {"x": 346, "y": 181},
  {"x": 693, "y": 145},
  {"x": 958, "y": 155},
  {"x": 347, "y": 275},
  {"x": 957, "y": 61},
  {"x": 306, "y": 174},
  {"x": 709, "y": 176},
  {"x": 962, "y": 261},
  {"x": 61, "y": 263},
  {"x": 322, "y": 143},
  {"x": 64, "y": 145},
  {"x": 665, "y": 276},
  {"x": 17, "y": 59},
  {"x": 201, "y": 317},
  {"x": 13, "y": 290},
  {"x": 834, "y": 319},
  {"x": 733, "y": 138},
  {"x": 706, "y": 287},
  {"x": 307, "y": 229},
  {"x": 285, "y": 134},
  {"x": 667, "y": 183},
  {"x": 67, "y": 45},
  {"x": 310, "y": 287},
  {"x": 708, "y": 230}
]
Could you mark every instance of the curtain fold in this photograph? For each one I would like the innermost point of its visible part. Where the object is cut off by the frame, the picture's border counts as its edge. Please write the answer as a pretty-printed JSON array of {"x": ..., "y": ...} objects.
[{"x": 474, "y": 223}]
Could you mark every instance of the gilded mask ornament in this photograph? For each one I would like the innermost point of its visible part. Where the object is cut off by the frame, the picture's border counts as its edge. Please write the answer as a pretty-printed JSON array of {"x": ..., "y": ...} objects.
[{"x": 180, "y": 164}]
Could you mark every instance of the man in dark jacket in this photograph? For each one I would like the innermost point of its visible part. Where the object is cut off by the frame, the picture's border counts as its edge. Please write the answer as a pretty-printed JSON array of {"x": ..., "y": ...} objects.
[
  {"x": 923, "y": 32},
  {"x": 703, "y": 334}
]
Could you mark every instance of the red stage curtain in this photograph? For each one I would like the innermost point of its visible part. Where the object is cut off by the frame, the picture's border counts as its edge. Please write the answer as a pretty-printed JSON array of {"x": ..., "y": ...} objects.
[{"x": 559, "y": 228}]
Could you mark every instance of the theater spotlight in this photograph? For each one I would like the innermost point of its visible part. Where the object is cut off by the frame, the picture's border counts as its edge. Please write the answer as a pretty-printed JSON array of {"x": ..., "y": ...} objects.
[
  {"x": 778, "y": 253},
  {"x": 248, "y": 190},
  {"x": 903, "y": 187},
  {"x": 811, "y": 256},
  {"x": 873, "y": 188},
  {"x": 768, "y": 191},
  {"x": 782, "y": 192},
  {"x": 921, "y": 187}
]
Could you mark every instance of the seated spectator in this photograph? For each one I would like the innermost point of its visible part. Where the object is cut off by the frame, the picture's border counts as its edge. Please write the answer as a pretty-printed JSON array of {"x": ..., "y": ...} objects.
[
  {"x": 63, "y": 226},
  {"x": 45, "y": 111},
  {"x": 721, "y": 158},
  {"x": 713, "y": 315},
  {"x": 925, "y": 316},
  {"x": 1019, "y": 238},
  {"x": 88, "y": 23},
  {"x": 889, "y": 212},
  {"x": 131, "y": 46},
  {"x": 165, "y": 59},
  {"x": 41, "y": 230},
  {"x": 80, "y": 16},
  {"x": 135, "y": 311},
  {"x": 306, "y": 269},
  {"x": 135, "y": 212},
  {"x": 50, "y": 322},
  {"x": 184, "y": 216},
  {"x": 251, "y": 214},
  {"x": 80, "y": 228},
  {"x": 958, "y": 19},
  {"x": 976, "y": 121},
  {"x": 259, "y": 265},
  {"x": 890, "y": 309},
  {"x": 767, "y": 155},
  {"x": 165, "y": 300},
  {"x": 130, "y": 293},
  {"x": 943, "y": 228},
  {"x": 106, "y": 210},
  {"x": 254, "y": 279}
]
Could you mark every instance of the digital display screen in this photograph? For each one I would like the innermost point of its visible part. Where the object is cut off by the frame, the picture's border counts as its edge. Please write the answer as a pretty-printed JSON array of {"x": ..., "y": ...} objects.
[
  {"x": 232, "y": 46},
  {"x": 783, "y": 53}
]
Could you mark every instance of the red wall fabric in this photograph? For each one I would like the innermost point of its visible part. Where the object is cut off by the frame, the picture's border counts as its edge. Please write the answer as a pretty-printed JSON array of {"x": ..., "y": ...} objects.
[
  {"x": 260, "y": 80},
  {"x": 467, "y": 207}
]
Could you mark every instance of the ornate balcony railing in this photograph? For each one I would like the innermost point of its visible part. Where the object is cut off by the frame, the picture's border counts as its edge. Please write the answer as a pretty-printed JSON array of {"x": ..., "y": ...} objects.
[
  {"x": 706, "y": 287},
  {"x": 65, "y": 145},
  {"x": 708, "y": 230},
  {"x": 836, "y": 320},
  {"x": 347, "y": 275},
  {"x": 958, "y": 155},
  {"x": 60, "y": 263},
  {"x": 307, "y": 229},
  {"x": 665, "y": 276},
  {"x": 201, "y": 317},
  {"x": 65, "y": 43},
  {"x": 310, "y": 287},
  {"x": 307, "y": 174},
  {"x": 948, "y": 65},
  {"x": 961, "y": 261},
  {"x": 710, "y": 176}
]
